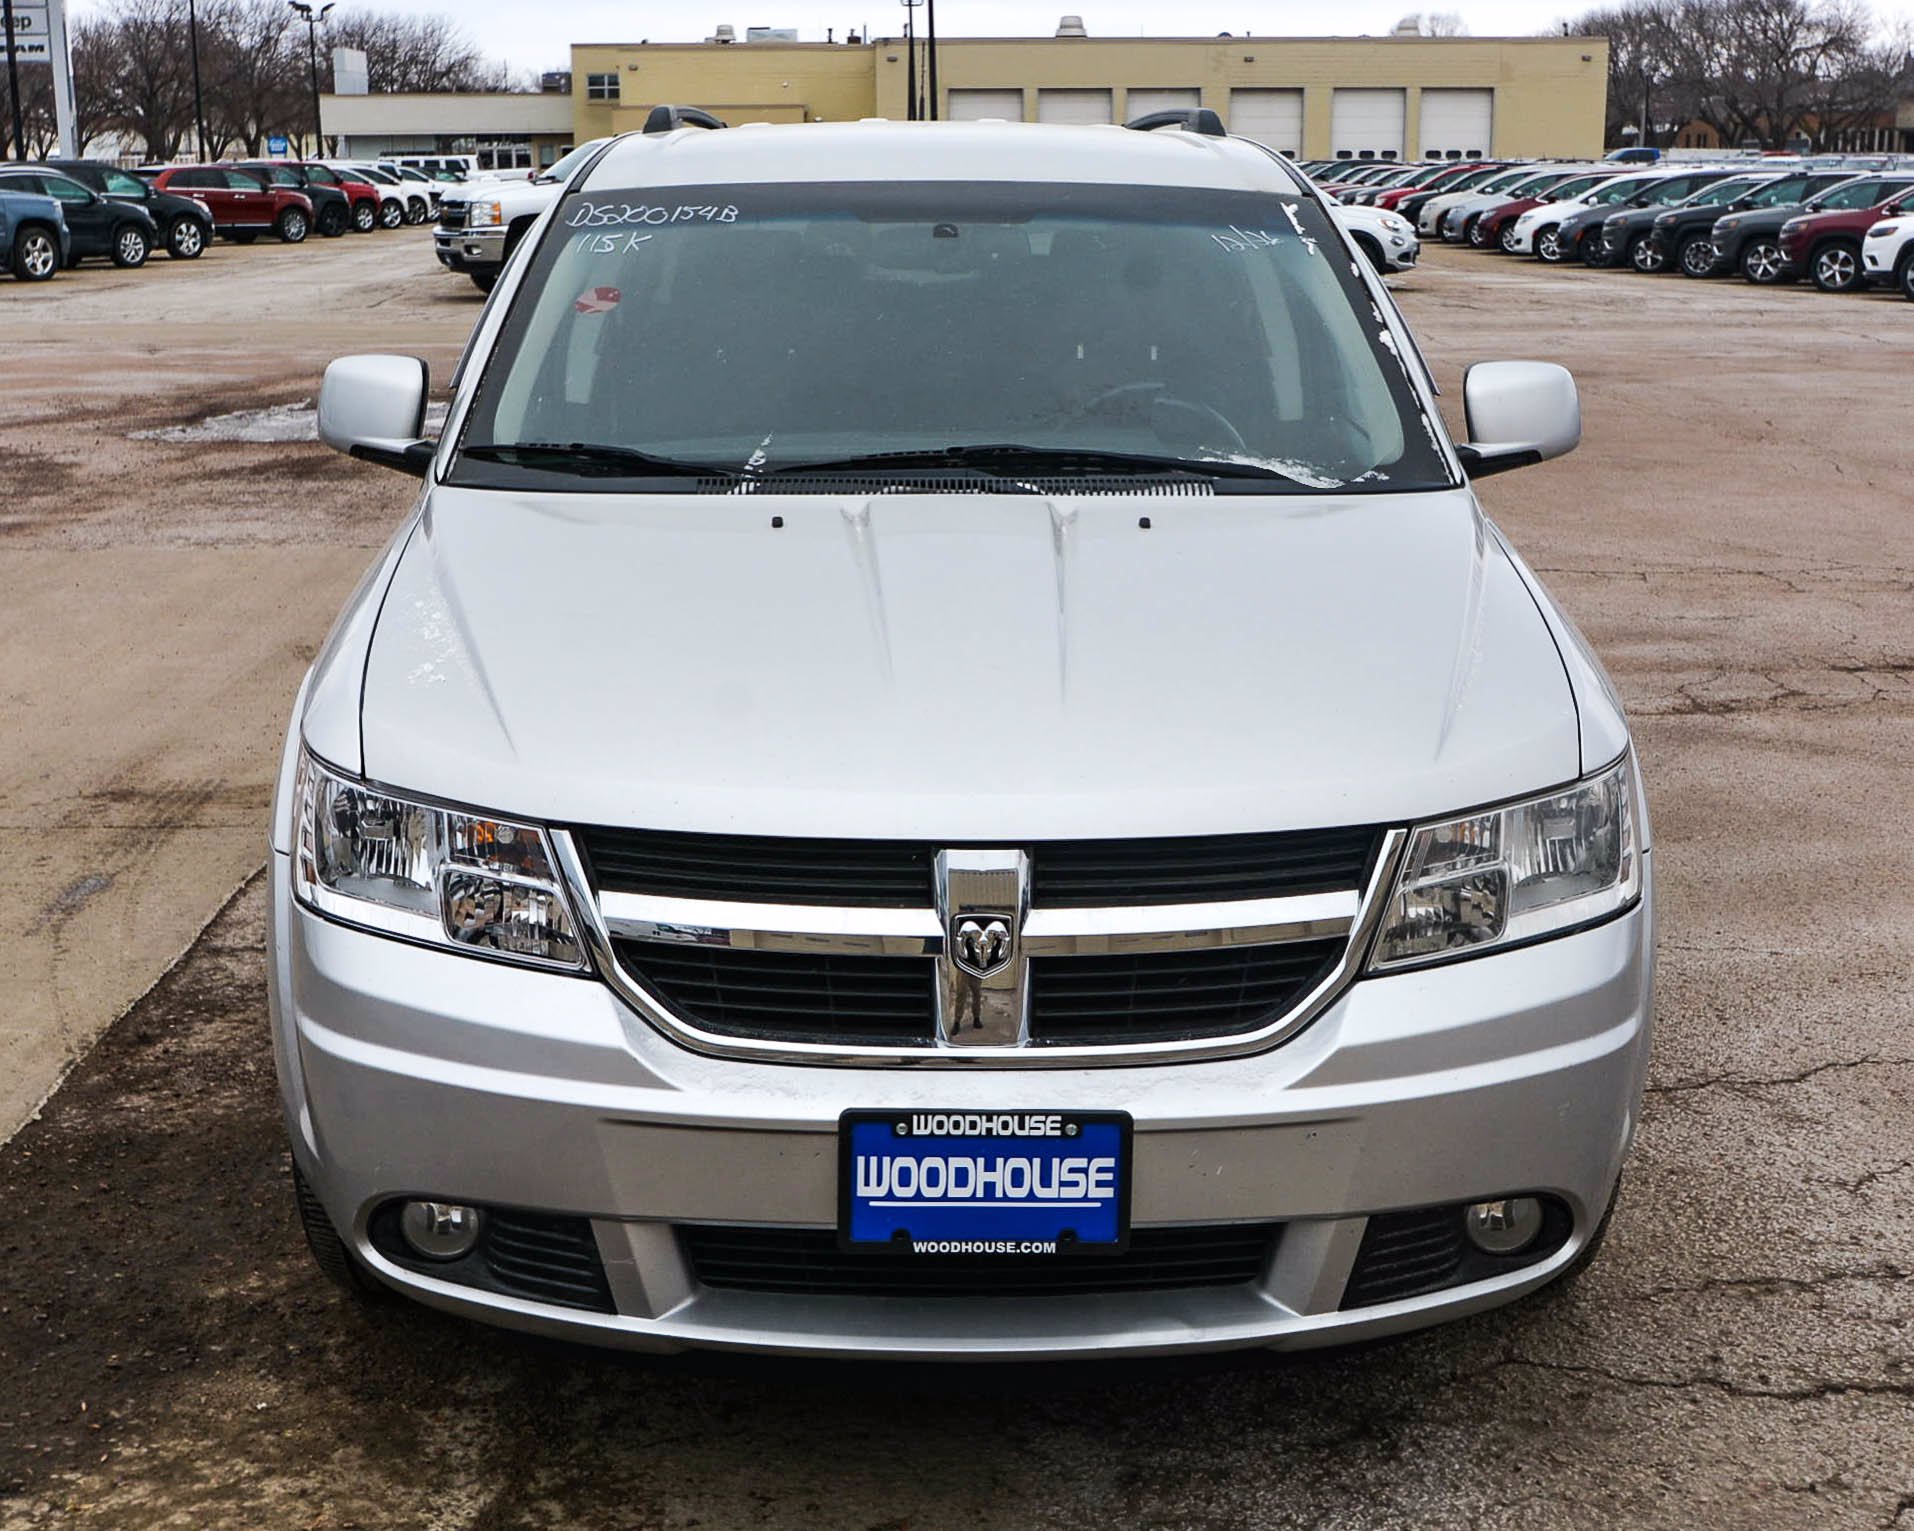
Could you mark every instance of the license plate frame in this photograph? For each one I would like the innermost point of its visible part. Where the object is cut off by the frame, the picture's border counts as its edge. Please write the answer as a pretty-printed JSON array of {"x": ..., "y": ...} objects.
[{"x": 994, "y": 1226}]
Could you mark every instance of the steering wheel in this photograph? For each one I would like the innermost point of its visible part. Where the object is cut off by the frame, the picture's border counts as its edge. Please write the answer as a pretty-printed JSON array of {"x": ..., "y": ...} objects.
[{"x": 1198, "y": 412}]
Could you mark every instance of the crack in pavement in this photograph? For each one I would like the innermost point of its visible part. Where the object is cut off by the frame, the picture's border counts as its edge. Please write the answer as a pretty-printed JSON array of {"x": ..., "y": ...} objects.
[
  {"x": 1886, "y": 1272},
  {"x": 1739, "y": 1082},
  {"x": 1807, "y": 1393}
]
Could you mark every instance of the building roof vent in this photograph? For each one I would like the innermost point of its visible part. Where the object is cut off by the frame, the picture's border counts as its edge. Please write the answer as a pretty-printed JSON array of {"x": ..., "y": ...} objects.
[
  {"x": 723, "y": 34},
  {"x": 1071, "y": 26}
]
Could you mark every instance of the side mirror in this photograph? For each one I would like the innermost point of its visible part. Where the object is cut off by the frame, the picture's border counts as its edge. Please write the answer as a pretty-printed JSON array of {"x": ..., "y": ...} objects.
[
  {"x": 1518, "y": 413},
  {"x": 373, "y": 408}
]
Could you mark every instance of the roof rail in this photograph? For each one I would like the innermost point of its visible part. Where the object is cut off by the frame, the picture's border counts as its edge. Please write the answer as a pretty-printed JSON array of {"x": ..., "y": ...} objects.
[
  {"x": 1193, "y": 119},
  {"x": 666, "y": 119}
]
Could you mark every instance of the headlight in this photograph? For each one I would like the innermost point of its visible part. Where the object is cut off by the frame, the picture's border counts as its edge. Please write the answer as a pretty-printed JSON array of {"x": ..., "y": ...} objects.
[
  {"x": 1512, "y": 874},
  {"x": 483, "y": 215},
  {"x": 430, "y": 874}
]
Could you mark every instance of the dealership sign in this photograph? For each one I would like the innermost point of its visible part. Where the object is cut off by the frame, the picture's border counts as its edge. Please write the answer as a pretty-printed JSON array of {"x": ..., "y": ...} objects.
[{"x": 29, "y": 33}]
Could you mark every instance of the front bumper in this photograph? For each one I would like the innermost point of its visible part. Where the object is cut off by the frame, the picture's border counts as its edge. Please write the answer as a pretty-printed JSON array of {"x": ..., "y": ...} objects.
[
  {"x": 408, "y": 1071},
  {"x": 469, "y": 249}
]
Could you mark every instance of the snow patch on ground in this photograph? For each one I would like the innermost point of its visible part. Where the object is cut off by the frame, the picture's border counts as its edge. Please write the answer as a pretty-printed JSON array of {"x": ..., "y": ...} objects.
[{"x": 278, "y": 422}]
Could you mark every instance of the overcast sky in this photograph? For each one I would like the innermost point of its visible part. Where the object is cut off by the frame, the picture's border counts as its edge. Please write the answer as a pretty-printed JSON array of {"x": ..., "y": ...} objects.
[{"x": 540, "y": 37}]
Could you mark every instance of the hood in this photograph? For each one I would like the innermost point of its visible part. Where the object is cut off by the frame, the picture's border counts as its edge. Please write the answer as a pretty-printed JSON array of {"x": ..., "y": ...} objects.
[{"x": 963, "y": 667}]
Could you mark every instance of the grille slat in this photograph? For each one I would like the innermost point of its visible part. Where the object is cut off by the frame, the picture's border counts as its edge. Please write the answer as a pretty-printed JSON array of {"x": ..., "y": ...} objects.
[
  {"x": 789, "y": 995},
  {"x": 880, "y": 873},
  {"x": 794, "y": 1261},
  {"x": 1078, "y": 874},
  {"x": 1082, "y": 1000}
]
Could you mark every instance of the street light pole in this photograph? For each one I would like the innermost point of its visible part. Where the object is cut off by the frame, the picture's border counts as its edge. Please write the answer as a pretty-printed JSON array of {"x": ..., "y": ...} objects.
[
  {"x": 13, "y": 86},
  {"x": 930, "y": 42},
  {"x": 199, "y": 101},
  {"x": 910, "y": 58},
  {"x": 313, "y": 16}
]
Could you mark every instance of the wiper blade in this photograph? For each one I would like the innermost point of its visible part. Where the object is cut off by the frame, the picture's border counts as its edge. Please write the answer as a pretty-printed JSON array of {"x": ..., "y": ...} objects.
[
  {"x": 1008, "y": 459},
  {"x": 592, "y": 459}
]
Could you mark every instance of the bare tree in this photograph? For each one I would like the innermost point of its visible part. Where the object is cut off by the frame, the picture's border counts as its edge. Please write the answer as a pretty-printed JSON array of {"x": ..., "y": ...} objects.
[{"x": 253, "y": 69}]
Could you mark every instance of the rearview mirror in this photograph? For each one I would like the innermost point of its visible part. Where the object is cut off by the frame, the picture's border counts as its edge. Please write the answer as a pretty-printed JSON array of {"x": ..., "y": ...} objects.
[
  {"x": 1517, "y": 412},
  {"x": 373, "y": 408}
]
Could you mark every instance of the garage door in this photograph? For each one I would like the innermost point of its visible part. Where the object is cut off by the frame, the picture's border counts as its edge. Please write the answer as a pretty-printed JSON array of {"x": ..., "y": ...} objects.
[
  {"x": 1140, "y": 103},
  {"x": 1456, "y": 123},
  {"x": 1274, "y": 118},
  {"x": 1367, "y": 124},
  {"x": 1075, "y": 106},
  {"x": 975, "y": 105}
]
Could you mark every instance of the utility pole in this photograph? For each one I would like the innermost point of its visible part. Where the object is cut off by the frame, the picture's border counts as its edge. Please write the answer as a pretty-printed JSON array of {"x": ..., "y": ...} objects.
[
  {"x": 13, "y": 88},
  {"x": 930, "y": 23},
  {"x": 199, "y": 101},
  {"x": 313, "y": 16},
  {"x": 910, "y": 58}
]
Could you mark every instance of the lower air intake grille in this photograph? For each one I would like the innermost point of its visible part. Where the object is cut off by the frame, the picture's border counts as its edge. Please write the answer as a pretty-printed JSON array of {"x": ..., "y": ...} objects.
[
  {"x": 789, "y": 996},
  {"x": 1405, "y": 1254},
  {"x": 804, "y": 1261},
  {"x": 548, "y": 1259},
  {"x": 1077, "y": 1001}
]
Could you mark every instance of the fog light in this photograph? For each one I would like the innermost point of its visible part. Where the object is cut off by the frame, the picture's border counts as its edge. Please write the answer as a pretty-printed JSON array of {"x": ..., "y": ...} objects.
[
  {"x": 439, "y": 1230},
  {"x": 1501, "y": 1227}
]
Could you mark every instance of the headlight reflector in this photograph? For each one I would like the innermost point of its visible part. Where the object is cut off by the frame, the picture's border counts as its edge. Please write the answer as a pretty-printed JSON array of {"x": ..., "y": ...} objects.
[
  {"x": 428, "y": 873},
  {"x": 1515, "y": 873}
]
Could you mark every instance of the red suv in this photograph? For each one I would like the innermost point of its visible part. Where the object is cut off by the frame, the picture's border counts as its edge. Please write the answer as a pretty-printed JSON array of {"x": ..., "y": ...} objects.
[
  {"x": 243, "y": 206},
  {"x": 1827, "y": 242}
]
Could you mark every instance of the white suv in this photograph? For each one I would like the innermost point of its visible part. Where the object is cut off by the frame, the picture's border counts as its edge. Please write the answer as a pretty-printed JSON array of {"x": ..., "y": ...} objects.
[
  {"x": 1887, "y": 254},
  {"x": 948, "y": 765},
  {"x": 1534, "y": 231}
]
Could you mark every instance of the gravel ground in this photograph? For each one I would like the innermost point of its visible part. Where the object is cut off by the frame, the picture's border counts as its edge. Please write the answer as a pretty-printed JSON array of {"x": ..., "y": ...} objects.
[{"x": 1735, "y": 538}]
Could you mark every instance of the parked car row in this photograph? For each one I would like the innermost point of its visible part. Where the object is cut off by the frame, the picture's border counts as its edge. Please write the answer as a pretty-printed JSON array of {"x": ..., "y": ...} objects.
[
  {"x": 1839, "y": 225},
  {"x": 60, "y": 212}
]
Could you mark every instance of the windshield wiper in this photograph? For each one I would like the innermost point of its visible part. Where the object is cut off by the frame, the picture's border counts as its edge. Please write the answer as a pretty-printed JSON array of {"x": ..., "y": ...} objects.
[
  {"x": 1008, "y": 460},
  {"x": 593, "y": 459}
]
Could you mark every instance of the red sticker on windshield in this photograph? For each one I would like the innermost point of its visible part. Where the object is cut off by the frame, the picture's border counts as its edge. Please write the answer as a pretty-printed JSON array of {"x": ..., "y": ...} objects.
[{"x": 600, "y": 300}]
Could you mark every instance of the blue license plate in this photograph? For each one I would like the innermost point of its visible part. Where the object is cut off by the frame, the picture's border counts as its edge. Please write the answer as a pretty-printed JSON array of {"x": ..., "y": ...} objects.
[{"x": 984, "y": 1183}]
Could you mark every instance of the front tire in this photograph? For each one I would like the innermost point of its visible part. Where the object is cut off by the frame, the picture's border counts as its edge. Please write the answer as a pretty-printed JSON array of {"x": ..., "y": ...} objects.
[
  {"x": 332, "y": 223},
  {"x": 1696, "y": 257},
  {"x": 365, "y": 217},
  {"x": 416, "y": 211},
  {"x": 36, "y": 256},
  {"x": 1506, "y": 240},
  {"x": 329, "y": 1251},
  {"x": 292, "y": 227},
  {"x": 130, "y": 248},
  {"x": 391, "y": 214},
  {"x": 1837, "y": 267},
  {"x": 1548, "y": 246},
  {"x": 1904, "y": 276},
  {"x": 185, "y": 240},
  {"x": 485, "y": 281},
  {"x": 1762, "y": 263},
  {"x": 1646, "y": 256}
]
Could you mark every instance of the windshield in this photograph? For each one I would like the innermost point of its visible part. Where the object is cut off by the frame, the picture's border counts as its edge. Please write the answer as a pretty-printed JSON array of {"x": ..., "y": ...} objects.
[
  {"x": 1575, "y": 186},
  {"x": 563, "y": 168},
  {"x": 1720, "y": 192},
  {"x": 120, "y": 184},
  {"x": 760, "y": 328}
]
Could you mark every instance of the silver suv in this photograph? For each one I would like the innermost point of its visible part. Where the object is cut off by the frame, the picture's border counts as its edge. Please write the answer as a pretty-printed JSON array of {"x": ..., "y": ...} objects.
[{"x": 949, "y": 766}]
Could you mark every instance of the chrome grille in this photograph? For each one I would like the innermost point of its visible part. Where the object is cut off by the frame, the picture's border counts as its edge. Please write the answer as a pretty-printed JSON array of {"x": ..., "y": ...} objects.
[{"x": 853, "y": 951}]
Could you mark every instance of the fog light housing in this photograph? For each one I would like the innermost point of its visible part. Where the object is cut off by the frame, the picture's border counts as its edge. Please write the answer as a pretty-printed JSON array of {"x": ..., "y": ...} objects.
[
  {"x": 1505, "y": 1227},
  {"x": 439, "y": 1230}
]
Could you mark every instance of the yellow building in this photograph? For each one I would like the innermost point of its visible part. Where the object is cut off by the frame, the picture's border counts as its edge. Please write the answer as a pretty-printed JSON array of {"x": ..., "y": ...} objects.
[{"x": 1416, "y": 97}]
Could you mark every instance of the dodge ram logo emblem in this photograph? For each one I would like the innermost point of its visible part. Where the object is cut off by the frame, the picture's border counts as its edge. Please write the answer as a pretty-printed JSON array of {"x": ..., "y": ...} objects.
[{"x": 980, "y": 945}]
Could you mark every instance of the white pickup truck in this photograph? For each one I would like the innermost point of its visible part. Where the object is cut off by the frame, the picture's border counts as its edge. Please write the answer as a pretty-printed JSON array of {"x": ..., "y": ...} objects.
[{"x": 481, "y": 221}]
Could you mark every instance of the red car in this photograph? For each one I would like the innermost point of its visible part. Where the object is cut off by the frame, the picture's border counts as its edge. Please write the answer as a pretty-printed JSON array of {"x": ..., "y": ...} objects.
[
  {"x": 1437, "y": 178},
  {"x": 336, "y": 205},
  {"x": 243, "y": 206},
  {"x": 1827, "y": 243}
]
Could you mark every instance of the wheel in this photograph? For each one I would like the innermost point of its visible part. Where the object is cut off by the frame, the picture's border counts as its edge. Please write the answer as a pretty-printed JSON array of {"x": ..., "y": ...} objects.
[
  {"x": 1904, "y": 276},
  {"x": 292, "y": 226},
  {"x": 1836, "y": 267},
  {"x": 416, "y": 211},
  {"x": 1371, "y": 250},
  {"x": 185, "y": 239},
  {"x": 1594, "y": 252},
  {"x": 1548, "y": 245},
  {"x": 485, "y": 281},
  {"x": 1646, "y": 255},
  {"x": 365, "y": 217},
  {"x": 1474, "y": 234},
  {"x": 243, "y": 236},
  {"x": 1696, "y": 257},
  {"x": 36, "y": 255},
  {"x": 1507, "y": 240},
  {"x": 1761, "y": 262},
  {"x": 130, "y": 247},
  {"x": 331, "y": 223},
  {"x": 391, "y": 214},
  {"x": 329, "y": 1251}
]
